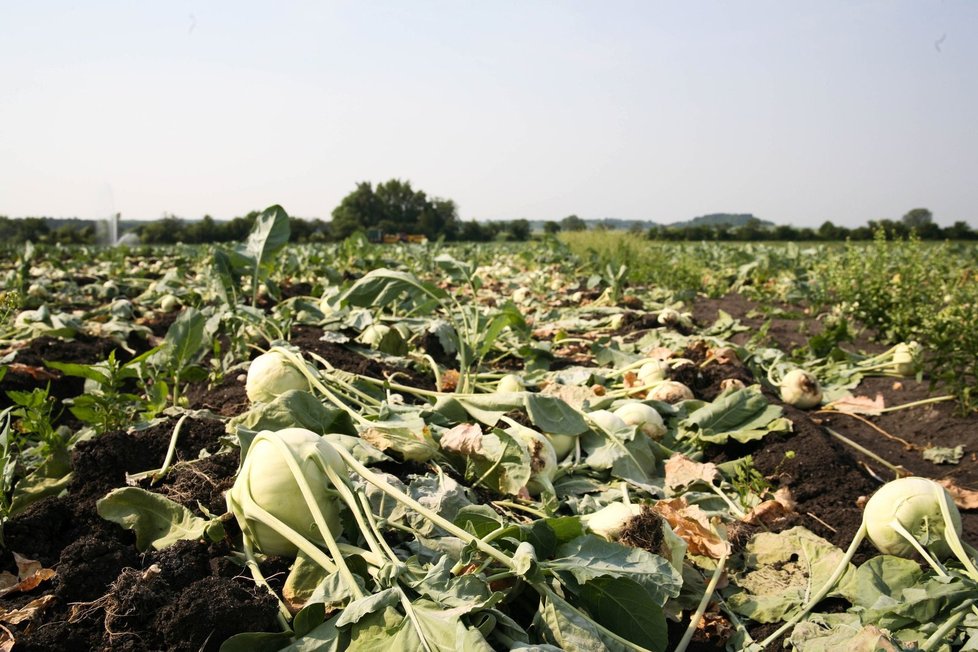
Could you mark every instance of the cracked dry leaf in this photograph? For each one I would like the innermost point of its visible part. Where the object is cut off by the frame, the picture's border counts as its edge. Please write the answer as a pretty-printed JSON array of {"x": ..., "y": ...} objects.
[
  {"x": 30, "y": 574},
  {"x": 33, "y": 608},
  {"x": 576, "y": 396},
  {"x": 691, "y": 524},
  {"x": 682, "y": 472},
  {"x": 464, "y": 439}
]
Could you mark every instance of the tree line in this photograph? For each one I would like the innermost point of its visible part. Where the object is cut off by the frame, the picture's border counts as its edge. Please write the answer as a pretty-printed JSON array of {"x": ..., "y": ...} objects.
[{"x": 395, "y": 208}]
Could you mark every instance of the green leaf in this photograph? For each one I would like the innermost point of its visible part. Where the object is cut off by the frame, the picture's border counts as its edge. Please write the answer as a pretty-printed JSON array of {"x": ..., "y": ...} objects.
[
  {"x": 157, "y": 521},
  {"x": 323, "y": 638},
  {"x": 570, "y": 630},
  {"x": 268, "y": 235},
  {"x": 495, "y": 460},
  {"x": 743, "y": 415},
  {"x": 370, "y": 604},
  {"x": 464, "y": 593},
  {"x": 589, "y": 557},
  {"x": 90, "y": 372},
  {"x": 381, "y": 287},
  {"x": 256, "y": 642},
  {"x": 295, "y": 409},
  {"x": 553, "y": 416},
  {"x": 627, "y": 609}
]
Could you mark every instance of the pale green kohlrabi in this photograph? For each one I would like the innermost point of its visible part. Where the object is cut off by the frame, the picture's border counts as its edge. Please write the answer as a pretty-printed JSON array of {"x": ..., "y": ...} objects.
[
  {"x": 272, "y": 374},
  {"x": 269, "y": 493}
]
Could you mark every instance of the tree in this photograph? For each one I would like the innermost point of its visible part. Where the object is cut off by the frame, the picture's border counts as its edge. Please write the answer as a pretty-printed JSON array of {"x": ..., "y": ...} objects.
[
  {"x": 551, "y": 228},
  {"x": 918, "y": 218},
  {"x": 573, "y": 223},
  {"x": 394, "y": 207}
]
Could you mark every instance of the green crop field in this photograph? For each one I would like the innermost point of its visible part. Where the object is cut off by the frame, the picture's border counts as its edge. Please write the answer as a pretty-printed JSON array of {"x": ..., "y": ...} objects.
[{"x": 588, "y": 441}]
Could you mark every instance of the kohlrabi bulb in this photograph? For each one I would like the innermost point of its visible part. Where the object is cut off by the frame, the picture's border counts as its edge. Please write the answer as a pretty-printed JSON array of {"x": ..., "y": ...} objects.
[
  {"x": 266, "y": 481},
  {"x": 610, "y": 520},
  {"x": 800, "y": 389},
  {"x": 914, "y": 503},
  {"x": 670, "y": 391},
  {"x": 606, "y": 420},
  {"x": 271, "y": 374},
  {"x": 169, "y": 303},
  {"x": 644, "y": 416},
  {"x": 510, "y": 383}
]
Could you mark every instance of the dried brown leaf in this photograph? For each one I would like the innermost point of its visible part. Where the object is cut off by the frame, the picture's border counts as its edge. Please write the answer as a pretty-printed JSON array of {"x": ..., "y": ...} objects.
[
  {"x": 27, "y": 612},
  {"x": 691, "y": 524},
  {"x": 30, "y": 575},
  {"x": 6, "y": 640},
  {"x": 449, "y": 381},
  {"x": 963, "y": 498},
  {"x": 858, "y": 405},
  {"x": 682, "y": 472},
  {"x": 464, "y": 439}
]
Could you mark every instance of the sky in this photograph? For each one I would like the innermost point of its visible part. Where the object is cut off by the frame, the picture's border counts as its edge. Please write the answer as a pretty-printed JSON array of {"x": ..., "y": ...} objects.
[{"x": 798, "y": 112}]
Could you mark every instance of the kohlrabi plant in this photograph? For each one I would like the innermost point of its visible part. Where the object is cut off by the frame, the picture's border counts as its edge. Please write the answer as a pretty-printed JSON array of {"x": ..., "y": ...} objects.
[{"x": 905, "y": 516}]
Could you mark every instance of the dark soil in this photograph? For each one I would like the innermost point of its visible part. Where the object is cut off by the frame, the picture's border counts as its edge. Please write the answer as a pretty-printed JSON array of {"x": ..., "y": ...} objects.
[
  {"x": 308, "y": 338},
  {"x": 110, "y": 596}
]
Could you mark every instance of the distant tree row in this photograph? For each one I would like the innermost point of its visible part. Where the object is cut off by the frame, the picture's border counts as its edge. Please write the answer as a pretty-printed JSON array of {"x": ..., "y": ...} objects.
[
  {"x": 394, "y": 208},
  {"x": 918, "y": 220}
]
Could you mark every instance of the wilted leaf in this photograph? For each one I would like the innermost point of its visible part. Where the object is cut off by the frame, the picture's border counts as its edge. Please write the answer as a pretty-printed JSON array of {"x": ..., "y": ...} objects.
[
  {"x": 33, "y": 608},
  {"x": 691, "y": 524},
  {"x": 413, "y": 445},
  {"x": 30, "y": 574},
  {"x": 783, "y": 571},
  {"x": 963, "y": 498},
  {"x": 463, "y": 439},
  {"x": 157, "y": 521},
  {"x": 682, "y": 472},
  {"x": 943, "y": 455},
  {"x": 858, "y": 405}
]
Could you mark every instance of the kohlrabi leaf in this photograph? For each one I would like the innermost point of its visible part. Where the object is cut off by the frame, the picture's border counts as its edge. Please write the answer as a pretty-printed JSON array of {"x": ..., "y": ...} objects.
[
  {"x": 295, "y": 409},
  {"x": 626, "y": 608},
  {"x": 495, "y": 459},
  {"x": 381, "y": 287},
  {"x": 843, "y": 631},
  {"x": 564, "y": 626},
  {"x": 268, "y": 235},
  {"x": 782, "y": 571},
  {"x": 589, "y": 557},
  {"x": 367, "y": 605},
  {"x": 553, "y": 416},
  {"x": 156, "y": 520},
  {"x": 325, "y": 637},
  {"x": 627, "y": 455},
  {"x": 463, "y": 593},
  {"x": 742, "y": 415}
]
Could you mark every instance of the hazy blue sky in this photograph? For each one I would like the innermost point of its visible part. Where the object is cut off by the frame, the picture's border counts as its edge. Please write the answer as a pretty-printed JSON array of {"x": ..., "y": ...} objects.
[{"x": 796, "y": 111}]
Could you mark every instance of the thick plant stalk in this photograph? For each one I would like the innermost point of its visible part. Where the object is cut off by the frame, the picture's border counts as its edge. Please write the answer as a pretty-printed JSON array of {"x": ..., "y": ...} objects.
[{"x": 435, "y": 518}]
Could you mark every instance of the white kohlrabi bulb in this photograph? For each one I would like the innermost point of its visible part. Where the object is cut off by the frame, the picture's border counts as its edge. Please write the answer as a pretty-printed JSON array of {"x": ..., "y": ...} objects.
[
  {"x": 914, "y": 503},
  {"x": 644, "y": 416},
  {"x": 271, "y": 374},
  {"x": 801, "y": 389}
]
